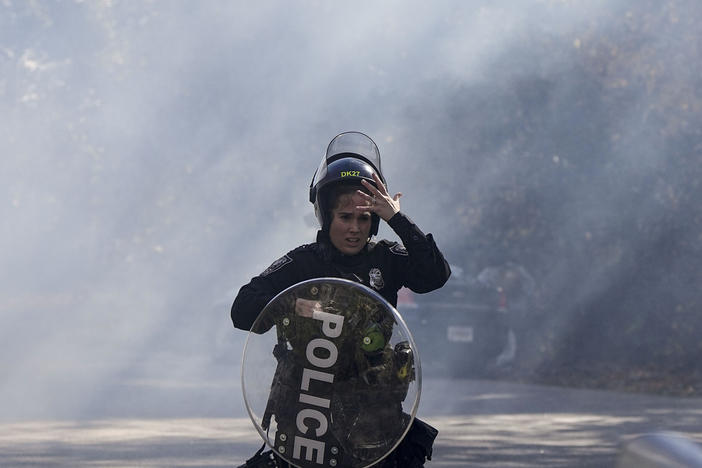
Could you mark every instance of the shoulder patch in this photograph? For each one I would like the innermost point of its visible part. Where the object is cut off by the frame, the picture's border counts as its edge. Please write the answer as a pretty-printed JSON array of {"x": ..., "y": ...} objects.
[
  {"x": 399, "y": 249},
  {"x": 277, "y": 265}
]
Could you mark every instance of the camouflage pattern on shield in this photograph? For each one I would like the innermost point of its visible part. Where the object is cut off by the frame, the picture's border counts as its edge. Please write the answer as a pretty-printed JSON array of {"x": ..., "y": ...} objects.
[{"x": 334, "y": 384}]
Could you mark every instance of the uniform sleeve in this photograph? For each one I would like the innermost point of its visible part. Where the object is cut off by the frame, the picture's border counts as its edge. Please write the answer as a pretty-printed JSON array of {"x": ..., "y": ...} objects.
[
  {"x": 254, "y": 296},
  {"x": 426, "y": 268}
]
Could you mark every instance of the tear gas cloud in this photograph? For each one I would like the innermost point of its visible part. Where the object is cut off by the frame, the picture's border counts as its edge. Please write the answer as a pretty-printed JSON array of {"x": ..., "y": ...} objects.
[{"x": 156, "y": 156}]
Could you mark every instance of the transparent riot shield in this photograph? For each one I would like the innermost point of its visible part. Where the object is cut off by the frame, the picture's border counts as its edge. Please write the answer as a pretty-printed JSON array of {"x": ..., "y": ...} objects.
[{"x": 330, "y": 375}]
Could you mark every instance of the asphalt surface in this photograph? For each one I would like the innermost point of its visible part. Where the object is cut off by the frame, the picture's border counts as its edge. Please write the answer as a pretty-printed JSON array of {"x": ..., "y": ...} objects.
[{"x": 178, "y": 423}]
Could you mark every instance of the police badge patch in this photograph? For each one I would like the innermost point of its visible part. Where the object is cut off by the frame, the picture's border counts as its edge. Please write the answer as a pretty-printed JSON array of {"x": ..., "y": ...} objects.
[
  {"x": 277, "y": 265},
  {"x": 376, "y": 279},
  {"x": 399, "y": 249}
]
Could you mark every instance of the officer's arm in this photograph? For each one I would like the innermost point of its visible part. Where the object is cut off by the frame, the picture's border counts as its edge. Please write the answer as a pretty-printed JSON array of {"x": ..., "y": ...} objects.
[
  {"x": 254, "y": 296},
  {"x": 426, "y": 269},
  {"x": 249, "y": 302}
]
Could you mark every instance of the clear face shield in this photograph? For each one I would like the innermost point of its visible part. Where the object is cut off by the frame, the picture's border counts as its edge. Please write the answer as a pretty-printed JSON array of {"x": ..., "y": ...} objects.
[{"x": 357, "y": 144}]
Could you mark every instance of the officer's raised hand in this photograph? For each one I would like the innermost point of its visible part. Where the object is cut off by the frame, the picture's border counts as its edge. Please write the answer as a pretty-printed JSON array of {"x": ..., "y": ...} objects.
[{"x": 379, "y": 201}]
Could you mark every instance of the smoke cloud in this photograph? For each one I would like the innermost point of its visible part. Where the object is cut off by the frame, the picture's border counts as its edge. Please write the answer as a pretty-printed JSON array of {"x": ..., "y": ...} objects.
[{"x": 157, "y": 155}]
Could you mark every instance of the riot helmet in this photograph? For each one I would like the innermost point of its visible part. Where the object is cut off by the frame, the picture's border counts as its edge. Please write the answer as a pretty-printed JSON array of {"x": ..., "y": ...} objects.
[{"x": 350, "y": 158}]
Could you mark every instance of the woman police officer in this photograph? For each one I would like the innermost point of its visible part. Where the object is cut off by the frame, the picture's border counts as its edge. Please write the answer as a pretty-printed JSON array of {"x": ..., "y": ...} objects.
[{"x": 350, "y": 197}]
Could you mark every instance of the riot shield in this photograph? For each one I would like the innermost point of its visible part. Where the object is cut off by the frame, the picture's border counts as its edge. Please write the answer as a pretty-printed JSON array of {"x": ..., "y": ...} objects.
[{"x": 330, "y": 375}]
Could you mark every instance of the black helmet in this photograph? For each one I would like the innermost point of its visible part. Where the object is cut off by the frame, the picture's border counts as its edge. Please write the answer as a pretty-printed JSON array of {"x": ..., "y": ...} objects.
[{"x": 350, "y": 158}]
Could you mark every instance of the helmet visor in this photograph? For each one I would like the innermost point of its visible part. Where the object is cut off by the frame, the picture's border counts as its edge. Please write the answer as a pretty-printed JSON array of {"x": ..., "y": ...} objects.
[{"x": 355, "y": 143}]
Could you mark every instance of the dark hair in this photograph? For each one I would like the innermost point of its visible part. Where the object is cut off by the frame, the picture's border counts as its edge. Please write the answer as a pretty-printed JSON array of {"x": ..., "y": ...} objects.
[{"x": 340, "y": 190}]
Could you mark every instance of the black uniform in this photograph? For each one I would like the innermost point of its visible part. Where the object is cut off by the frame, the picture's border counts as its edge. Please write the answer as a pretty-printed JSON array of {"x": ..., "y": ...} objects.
[{"x": 383, "y": 266}]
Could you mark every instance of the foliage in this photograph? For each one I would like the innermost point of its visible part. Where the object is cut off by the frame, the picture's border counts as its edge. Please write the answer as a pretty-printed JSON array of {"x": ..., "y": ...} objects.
[{"x": 592, "y": 146}]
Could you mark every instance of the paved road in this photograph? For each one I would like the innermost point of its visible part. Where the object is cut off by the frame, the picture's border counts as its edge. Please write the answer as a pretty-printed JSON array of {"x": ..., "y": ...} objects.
[
  {"x": 482, "y": 424},
  {"x": 497, "y": 424}
]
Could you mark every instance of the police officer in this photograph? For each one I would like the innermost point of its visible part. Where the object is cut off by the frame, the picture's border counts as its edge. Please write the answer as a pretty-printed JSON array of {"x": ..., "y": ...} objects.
[{"x": 350, "y": 198}]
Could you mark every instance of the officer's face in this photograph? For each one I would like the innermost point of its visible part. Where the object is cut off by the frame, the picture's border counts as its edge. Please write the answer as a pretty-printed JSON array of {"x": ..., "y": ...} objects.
[{"x": 350, "y": 227}]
